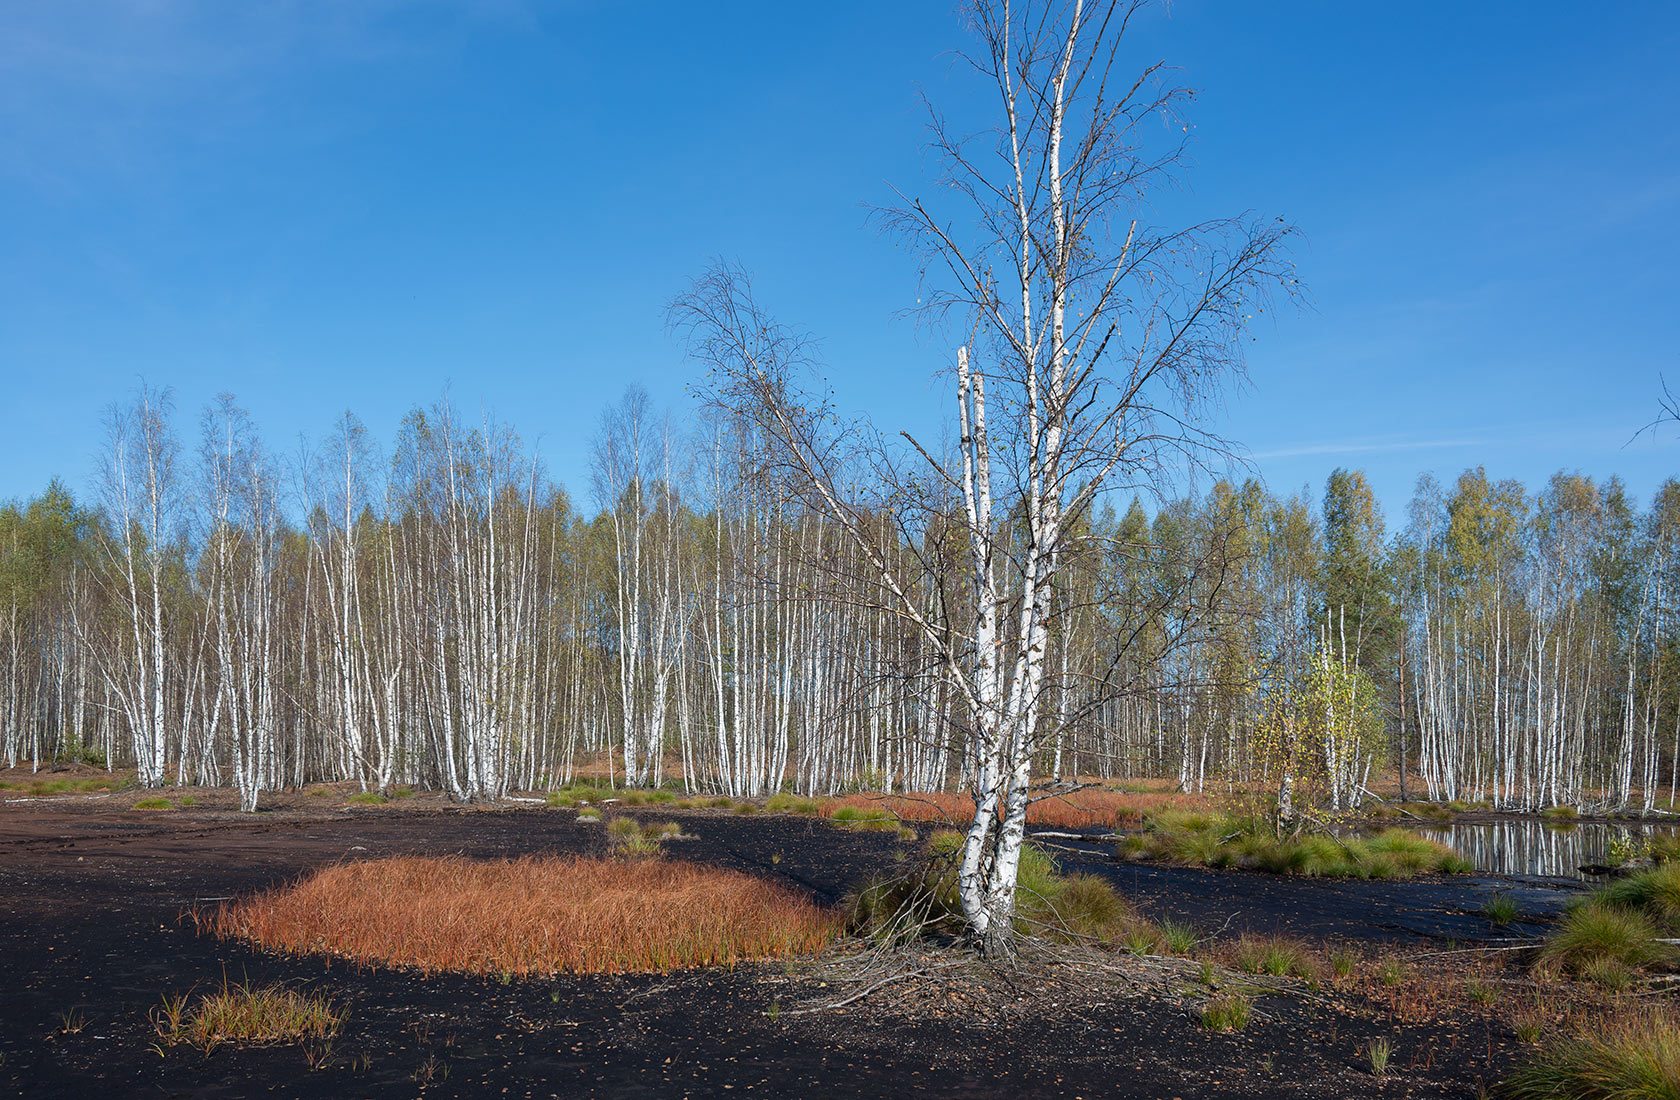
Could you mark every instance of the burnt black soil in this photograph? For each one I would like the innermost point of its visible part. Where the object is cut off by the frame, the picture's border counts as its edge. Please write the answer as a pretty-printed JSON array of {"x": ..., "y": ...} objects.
[{"x": 91, "y": 899}]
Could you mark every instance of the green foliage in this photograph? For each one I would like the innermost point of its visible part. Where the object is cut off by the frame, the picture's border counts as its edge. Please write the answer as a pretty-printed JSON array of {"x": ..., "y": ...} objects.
[
  {"x": 154, "y": 804},
  {"x": 1500, "y": 910},
  {"x": 1272, "y": 955},
  {"x": 1655, "y": 894},
  {"x": 1178, "y": 938},
  {"x": 368, "y": 798},
  {"x": 1217, "y": 840},
  {"x": 1227, "y": 1012},
  {"x": 1378, "y": 1051},
  {"x": 866, "y": 820},
  {"x": 244, "y": 1013},
  {"x": 1631, "y": 1059},
  {"x": 1597, "y": 931},
  {"x": 46, "y": 788}
]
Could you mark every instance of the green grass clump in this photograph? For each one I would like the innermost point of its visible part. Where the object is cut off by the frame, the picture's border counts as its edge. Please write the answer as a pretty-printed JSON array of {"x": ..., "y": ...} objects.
[
  {"x": 1560, "y": 813},
  {"x": 1665, "y": 848},
  {"x": 1273, "y": 955},
  {"x": 1207, "y": 839},
  {"x": 1655, "y": 894},
  {"x": 1177, "y": 937},
  {"x": 47, "y": 788},
  {"x": 869, "y": 821},
  {"x": 368, "y": 798},
  {"x": 589, "y": 813},
  {"x": 722, "y": 802},
  {"x": 577, "y": 793},
  {"x": 402, "y": 792},
  {"x": 154, "y": 804},
  {"x": 1500, "y": 910},
  {"x": 791, "y": 804},
  {"x": 1636, "y": 1059},
  {"x": 246, "y": 1014},
  {"x": 1227, "y": 1012},
  {"x": 1597, "y": 931}
]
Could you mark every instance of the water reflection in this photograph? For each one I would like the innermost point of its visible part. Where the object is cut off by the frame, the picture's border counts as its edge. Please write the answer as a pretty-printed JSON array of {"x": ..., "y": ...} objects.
[{"x": 1531, "y": 847}]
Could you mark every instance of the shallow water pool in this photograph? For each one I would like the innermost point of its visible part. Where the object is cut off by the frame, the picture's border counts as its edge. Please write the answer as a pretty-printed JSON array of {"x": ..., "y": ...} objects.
[{"x": 1529, "y": 846}]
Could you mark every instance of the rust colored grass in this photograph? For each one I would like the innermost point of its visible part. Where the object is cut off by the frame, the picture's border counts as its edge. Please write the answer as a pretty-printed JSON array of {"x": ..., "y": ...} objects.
[
  {"x": 529, "y": 916},
  {"x": 1087, "y": 809}
]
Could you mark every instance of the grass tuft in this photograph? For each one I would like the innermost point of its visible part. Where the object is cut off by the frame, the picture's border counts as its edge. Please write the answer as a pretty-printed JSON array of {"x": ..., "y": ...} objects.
[
  {"x": 1596, "y": 932},
  {"x": 1227, "y": 1012},
  {"x": 529, "y": 916},
  {"x": 1209, "y": 839},
  {"x": 1500, "y": 910},
  {"x": 1273, "y": 955},
  {"x": 244, "y": 1013},
  {"x": 1633, "y": 1059},
  {"x": 154, "y": 804}
]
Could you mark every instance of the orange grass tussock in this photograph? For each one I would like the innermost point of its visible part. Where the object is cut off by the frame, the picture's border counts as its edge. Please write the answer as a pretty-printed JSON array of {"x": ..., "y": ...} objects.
[
  {"x": 536, "y": 915},
  {"x": 1084, "y": 809}
]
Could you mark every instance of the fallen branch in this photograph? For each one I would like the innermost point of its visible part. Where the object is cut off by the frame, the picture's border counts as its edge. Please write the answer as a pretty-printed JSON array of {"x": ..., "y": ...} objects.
[{"x": 862, "y": 993}]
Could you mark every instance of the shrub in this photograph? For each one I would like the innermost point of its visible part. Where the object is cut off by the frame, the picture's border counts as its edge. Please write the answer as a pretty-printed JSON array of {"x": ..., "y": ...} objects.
[
  {"x": 534, "y": 915},
  {"x": 246, "y": 1014},
  {"x": 1227, "y": 1012},
  {"x": 1636, "y": 1059}
]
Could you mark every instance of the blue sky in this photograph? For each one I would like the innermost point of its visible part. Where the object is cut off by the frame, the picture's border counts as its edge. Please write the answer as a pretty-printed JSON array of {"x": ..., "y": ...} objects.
[{"x": 329, "y": 205}]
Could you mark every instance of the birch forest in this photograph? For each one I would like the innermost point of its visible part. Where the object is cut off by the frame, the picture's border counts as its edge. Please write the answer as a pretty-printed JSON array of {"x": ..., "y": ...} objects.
[{"x": 442, "y": 614}]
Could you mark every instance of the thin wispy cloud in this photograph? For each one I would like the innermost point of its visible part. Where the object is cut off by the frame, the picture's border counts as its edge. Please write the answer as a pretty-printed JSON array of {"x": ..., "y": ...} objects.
[{"x": 1367, "y": 446}]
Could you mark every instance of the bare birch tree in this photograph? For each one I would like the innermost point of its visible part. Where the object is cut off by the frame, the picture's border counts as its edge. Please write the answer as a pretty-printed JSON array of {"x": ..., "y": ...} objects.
[{"x": 1095, "y": 339}]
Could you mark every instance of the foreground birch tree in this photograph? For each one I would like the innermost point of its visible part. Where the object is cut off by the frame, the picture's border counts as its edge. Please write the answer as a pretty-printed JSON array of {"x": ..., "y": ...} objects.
[{"x": 1095, "y": 340}]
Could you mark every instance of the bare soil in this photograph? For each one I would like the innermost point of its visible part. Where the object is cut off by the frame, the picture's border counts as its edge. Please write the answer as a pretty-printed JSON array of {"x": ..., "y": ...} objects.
[{"x": 92, "y": 898}]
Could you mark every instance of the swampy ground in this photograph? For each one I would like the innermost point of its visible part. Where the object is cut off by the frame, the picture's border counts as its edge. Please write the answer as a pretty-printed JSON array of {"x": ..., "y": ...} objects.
[{"x": 93, "y": 897}]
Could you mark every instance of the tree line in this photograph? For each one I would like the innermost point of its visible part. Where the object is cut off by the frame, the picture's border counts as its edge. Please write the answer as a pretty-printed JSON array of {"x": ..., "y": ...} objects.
[{"x": 443, "y": 615}]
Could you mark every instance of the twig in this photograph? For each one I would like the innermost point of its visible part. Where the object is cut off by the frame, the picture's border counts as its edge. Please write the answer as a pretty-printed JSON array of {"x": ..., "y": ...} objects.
[{"x": 844, "y": 1001}]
